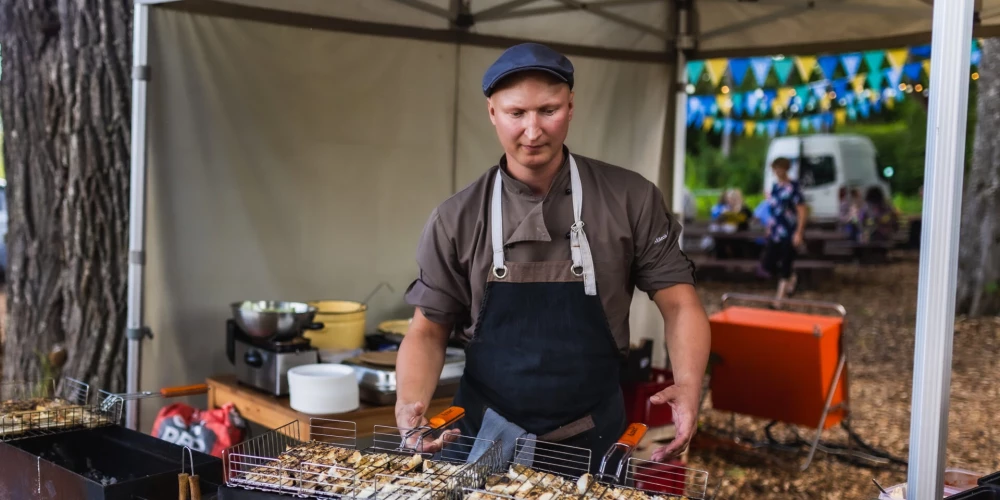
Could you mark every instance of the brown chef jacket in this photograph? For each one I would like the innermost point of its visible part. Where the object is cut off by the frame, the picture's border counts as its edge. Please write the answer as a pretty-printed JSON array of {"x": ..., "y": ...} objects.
[{"x": 633, "y": 238}]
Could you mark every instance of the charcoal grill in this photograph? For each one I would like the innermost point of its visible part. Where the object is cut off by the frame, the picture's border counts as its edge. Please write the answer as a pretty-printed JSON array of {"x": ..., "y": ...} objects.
[
  {"x": 254, "y": 466},
  {"x": 81, "y": 451}
]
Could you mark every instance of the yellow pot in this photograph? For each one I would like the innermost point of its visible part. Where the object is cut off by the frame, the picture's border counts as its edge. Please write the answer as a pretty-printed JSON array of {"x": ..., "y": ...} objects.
[{"x": 343, "y": 325}]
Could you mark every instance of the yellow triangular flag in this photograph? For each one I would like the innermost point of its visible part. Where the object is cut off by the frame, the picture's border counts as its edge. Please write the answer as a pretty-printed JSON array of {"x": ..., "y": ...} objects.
[
  {"x": 897, "y": 57},
  {"x": 859, "y": 83},
  {"x": 793, "y": 125},
  {"x": 875, "y": 96},
  {"x": 749, "y": 127},
  {"x": 709, "y": 121},
  {"x": 927, "y": 67},
  {"x": 785, "y": 94},
  {"x": 806, "y": 65},
  {"x": 716, "y": 68},
  {"x": 890, "y": 103},
  {"x": 840, "y": 116},
  {"x": 725, "y": 104},
  {"x": 826, "y": 102}
]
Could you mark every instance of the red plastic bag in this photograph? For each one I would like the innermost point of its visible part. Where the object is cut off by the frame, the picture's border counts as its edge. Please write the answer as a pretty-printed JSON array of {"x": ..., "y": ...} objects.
[{"x": 210, "y": 431}]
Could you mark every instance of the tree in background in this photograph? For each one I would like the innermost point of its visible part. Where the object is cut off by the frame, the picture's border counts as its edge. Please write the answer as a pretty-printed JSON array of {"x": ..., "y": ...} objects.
[
  {"x": 65, "y": 103},
  {"x": 978, "y": 259}
]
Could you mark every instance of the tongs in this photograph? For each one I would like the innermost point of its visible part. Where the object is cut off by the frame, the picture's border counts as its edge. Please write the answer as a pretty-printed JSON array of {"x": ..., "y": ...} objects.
[
  {"x": 189, "y": 485},
  {"x": 435, "y": 425},
  {"x": 166, "y": 392},
  {"x": 627, "y": 444}
]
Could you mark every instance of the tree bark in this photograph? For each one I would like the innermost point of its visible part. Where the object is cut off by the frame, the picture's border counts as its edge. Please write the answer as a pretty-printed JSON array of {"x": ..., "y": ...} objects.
[
  {"x": 979, "y": 252},
  {"x": 65, "y": 104}
]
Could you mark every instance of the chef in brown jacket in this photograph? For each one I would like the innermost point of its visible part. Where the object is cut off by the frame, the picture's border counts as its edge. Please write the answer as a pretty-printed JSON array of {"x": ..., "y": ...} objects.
[{"x": 534, "y": 266}]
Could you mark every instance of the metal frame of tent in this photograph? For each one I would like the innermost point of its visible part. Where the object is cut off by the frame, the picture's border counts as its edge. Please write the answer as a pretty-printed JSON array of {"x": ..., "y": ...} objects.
[{"x": 952, "y": 30}]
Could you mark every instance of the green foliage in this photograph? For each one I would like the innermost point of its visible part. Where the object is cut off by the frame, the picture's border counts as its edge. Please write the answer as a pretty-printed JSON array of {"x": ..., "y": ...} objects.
[{"x": 706, "y": 167}]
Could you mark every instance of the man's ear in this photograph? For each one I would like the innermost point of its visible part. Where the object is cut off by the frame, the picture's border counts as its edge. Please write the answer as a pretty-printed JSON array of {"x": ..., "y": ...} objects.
[
  {"x": 570, "y": 104},
  {"x": 491, "y": 110}
]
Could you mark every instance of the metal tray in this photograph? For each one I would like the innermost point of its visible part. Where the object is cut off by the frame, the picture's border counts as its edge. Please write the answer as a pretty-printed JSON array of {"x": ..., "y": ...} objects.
[{"x": 383, "y": 378}]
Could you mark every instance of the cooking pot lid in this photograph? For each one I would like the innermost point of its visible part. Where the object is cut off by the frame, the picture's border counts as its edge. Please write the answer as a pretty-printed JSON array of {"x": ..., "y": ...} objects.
[{"x": 379, "y": 358}]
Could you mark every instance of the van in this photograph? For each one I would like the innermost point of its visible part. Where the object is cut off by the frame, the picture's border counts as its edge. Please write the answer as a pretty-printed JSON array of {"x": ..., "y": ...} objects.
[{"x": 824, "y": 164}]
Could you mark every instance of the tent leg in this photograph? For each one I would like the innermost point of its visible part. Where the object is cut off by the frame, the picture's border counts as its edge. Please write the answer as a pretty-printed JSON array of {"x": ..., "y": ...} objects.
[
  {"x": 136, "y": 331},
  {"x": 943, "y": 172}
]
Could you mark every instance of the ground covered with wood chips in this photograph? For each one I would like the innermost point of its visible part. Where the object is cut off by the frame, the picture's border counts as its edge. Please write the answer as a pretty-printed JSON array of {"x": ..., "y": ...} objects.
[{"x": 881, "y": 303}]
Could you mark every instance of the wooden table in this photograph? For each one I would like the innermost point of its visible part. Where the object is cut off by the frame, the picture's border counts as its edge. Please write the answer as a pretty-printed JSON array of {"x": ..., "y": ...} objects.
[{"x": 272, "y": 412}]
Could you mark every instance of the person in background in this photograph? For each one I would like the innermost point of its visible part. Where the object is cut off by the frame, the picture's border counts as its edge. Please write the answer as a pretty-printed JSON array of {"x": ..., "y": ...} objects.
[
  {"x": 850, "y": 207},
  {"x": 720, "y": 206},
  {"x": 736, "y": 211},
  {"x": 878, "y": 219},
  {"x": 785, "y": 230}
]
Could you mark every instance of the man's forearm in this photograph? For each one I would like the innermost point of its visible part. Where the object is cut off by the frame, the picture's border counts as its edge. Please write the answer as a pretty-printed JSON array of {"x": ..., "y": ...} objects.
[
  {"x": 419, "y": 361},
  {"x": 688, "y": 336}
]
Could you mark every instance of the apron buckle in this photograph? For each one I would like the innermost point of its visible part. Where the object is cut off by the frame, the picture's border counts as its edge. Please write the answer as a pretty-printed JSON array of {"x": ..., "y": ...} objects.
[{"x": 497, "y": 272}]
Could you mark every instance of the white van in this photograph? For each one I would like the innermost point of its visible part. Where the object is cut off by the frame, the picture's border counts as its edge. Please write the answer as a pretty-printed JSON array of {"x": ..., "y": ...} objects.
[{"x": 830, "y": 162}]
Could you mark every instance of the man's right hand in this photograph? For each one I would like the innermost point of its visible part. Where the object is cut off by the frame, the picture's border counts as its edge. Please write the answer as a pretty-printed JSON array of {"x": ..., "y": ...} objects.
[{"x": 411, "y": 416}]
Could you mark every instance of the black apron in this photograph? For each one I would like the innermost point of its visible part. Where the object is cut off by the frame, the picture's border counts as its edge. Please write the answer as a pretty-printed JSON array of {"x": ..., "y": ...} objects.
[{"x": 543, "y": 355}]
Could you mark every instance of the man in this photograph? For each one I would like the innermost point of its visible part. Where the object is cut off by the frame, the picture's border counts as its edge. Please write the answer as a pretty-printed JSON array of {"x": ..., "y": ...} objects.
[{"x": 542, "y": 299}]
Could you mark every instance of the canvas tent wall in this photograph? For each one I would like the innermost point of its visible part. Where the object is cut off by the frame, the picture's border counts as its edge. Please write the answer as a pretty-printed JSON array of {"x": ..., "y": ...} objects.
[{"x": 296, "y": 147}]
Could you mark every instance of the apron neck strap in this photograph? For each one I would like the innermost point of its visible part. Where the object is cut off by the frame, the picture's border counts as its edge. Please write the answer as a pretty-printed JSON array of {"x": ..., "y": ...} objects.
[{"x": 583, "y": 262}]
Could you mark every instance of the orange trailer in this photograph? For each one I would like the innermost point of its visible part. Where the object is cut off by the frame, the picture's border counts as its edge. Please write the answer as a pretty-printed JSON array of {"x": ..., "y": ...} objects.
[{"x": 780, "y": 365}]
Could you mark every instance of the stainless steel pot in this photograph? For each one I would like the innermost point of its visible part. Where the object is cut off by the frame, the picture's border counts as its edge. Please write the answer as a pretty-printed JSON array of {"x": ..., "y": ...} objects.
[{"x": 274, "y": 319}]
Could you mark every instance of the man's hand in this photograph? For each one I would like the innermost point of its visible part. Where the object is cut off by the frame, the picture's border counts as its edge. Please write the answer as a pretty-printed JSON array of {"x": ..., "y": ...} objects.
[
  {"x": 684, "y": 401},
  {"x": 411, "y": 416}
]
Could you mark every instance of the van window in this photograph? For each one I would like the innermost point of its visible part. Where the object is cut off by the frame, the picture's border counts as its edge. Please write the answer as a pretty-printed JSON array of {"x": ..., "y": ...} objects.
[{"x": 817, "y": 171}]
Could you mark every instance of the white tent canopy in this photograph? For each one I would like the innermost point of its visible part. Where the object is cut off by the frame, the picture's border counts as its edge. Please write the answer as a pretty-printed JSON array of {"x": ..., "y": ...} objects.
[{"x": 293, "y": 149}]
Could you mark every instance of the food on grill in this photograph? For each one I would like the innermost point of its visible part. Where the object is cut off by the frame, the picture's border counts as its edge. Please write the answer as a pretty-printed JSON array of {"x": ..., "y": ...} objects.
[
  {"x": 525, "y": 483},
  {"x": 19, "y": 416},
  {"x": 325, "y": 468}
]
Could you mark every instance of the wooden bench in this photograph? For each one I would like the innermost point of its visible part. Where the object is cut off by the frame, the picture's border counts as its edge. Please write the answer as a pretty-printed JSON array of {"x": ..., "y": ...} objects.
[
  {"x": 873, "y": 252},
  {"x": 809, "y": 271}
]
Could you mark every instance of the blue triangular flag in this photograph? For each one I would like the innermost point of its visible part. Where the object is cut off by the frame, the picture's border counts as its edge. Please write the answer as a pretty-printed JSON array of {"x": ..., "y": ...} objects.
[
  {"x": 782, "y": 126},
  {"x": 772, "y": 128},
  {"x": 874, "y": 59},
  {"x": 819, "y": 89},
  {"x": 783, "y": 68},
  {"x": 737, "y": 99},
  {"x": 863, "y": 108},
  {"x": 727, "y": 126},
  {"x": 829, "y": 65},
  {"x": 717, "y": 126},
  {"x": 761, "y": 67},
  {"x": 895, "y": 76},
  {"x": 912, "y": 71},
  {"x": 851, "y": 62},
  {"x": 761, "y": 128},
  {"x": 828, "y": 118},
  {"x": 738, "y": 127},
  {"x": 738, "y": 70},
  {"x": 977, "y": 55},
  {"x": 699, "y": 120},
  {"x": 840, "y": 88},
  {"x": 852, "y": 112},
  {"x": 753, "y": 102},
  {"x": 921, "y": 52},
  {"x": 818, "y": 123},
  {"x": 694, "y": 70},
  {"x": 877, "y": 105}
]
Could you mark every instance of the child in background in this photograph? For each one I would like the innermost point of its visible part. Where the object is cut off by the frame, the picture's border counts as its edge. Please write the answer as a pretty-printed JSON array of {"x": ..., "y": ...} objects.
[{"x": 787, "y": 211}]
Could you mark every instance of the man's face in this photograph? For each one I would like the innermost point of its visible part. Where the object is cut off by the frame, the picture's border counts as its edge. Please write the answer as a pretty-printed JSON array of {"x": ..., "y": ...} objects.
[{"x": 532, "y": 116}]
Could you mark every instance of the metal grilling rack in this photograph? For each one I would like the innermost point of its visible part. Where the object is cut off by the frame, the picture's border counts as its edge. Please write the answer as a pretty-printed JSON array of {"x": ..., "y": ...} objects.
[
  {"x": 554, "y": 472},
  {"x": 329, "y": 465},
  {"x": 538, "y": 469},
  {"x": 40, "y": 408}
]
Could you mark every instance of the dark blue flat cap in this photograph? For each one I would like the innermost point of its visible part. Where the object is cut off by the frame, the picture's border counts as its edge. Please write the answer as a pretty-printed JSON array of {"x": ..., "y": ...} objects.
[{"x": 525, "y": 57}]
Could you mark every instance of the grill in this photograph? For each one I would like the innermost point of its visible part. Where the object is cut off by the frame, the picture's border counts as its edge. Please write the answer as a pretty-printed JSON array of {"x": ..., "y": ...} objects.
[
  {"x": 33, "y": 409},
  {"x": 279, "y": 461},
  {"x": 78, "y": 451}
]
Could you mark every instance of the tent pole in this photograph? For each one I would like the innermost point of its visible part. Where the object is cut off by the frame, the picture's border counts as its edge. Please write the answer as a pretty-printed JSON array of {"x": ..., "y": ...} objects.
[
  {"x": 680, "y": 133},
  {"x": 943, "y": 172},
  {"x": 135, "y": 330}
]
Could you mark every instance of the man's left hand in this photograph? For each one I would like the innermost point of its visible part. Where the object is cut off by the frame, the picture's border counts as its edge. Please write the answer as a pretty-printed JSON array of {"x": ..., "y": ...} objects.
[{"x": 684, "y": 401}]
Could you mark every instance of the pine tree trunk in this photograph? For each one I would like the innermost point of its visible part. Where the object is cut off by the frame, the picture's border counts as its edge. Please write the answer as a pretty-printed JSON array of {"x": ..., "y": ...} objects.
[
  {"x": 65, "y": 105},
  {"x": 979, "y": 252}
]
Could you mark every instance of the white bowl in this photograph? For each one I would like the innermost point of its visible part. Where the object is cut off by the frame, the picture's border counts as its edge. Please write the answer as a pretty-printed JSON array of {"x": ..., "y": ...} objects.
[{"x": 323, "y": 389}]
